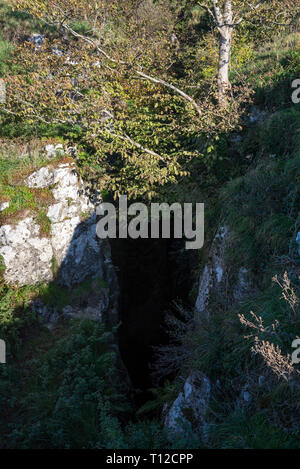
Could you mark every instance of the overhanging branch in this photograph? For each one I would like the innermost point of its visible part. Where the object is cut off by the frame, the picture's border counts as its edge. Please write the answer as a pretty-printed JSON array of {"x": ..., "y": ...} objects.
[{"x": 138, "y": 72}]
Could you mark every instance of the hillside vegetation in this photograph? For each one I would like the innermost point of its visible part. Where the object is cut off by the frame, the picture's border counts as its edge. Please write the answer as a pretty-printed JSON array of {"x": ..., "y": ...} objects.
[{"x": 135, "y": 136}]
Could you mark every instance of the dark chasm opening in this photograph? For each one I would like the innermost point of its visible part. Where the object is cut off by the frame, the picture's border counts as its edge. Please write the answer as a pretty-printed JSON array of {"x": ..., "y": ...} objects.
[{"x": 152, "y": 273}]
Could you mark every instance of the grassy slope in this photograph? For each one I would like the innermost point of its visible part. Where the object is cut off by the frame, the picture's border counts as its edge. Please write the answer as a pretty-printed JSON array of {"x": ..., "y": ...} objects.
[
  {"x": 268, "y": 194},
  {"x": 262, "y": 207}
]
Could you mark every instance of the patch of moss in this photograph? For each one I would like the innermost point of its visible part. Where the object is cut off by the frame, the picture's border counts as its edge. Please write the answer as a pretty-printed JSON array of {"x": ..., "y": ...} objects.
[
  {"x": 44, "y": 222},
  {"x": 54, "y": 265},
  {"x": 13, "y": 171},
  {"x": 2, "y": 267},
  {"x": 54, "y": 295}
]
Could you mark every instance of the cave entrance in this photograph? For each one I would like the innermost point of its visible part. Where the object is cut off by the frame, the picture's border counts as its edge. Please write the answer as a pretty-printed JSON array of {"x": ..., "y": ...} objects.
[{"x": 152, "y": 273}]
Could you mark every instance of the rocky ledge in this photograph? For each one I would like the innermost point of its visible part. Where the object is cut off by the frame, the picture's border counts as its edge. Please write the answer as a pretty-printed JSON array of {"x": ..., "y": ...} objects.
[{"x": 69, "y": 254}]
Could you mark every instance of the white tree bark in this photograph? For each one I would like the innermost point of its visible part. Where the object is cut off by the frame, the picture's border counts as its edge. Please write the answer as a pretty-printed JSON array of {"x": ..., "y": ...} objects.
[
  {"x": 225, "y": 27},
  {"x": 224, "y": 61},
  {"x": 225, "y": 23}
]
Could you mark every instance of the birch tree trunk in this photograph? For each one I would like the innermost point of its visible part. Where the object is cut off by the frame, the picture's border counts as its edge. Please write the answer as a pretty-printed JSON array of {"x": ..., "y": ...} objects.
[
  {"x": 225, "y": 27},
  {"x": 225, "y": 23},
  {"x": 224, "y": 61}
]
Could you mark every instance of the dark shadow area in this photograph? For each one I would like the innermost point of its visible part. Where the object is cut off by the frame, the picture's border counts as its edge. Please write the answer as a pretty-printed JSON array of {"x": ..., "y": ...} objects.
[
  {"x": 83, "y": 284},
  {"x": 122, "y": 280},
  {"x": 152, "y": 273}
]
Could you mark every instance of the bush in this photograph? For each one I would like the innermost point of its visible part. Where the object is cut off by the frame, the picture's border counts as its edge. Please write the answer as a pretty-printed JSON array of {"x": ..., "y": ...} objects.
[
  {"x": 70, "y": 389},
  {"x": 280, "y": 135}
]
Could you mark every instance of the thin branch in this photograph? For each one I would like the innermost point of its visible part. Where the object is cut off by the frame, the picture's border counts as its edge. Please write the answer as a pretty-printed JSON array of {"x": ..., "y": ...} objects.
[
  {"x": 138, "y": 72},
  {"x": 218, "y": 14},
  {"x": 218, "y": 17},
  {"x": 209, "y": 11},
  {"x": 257, "y": 6},
  {"x": 172, "y": 87},
  {"x": 126, "y": 138}
]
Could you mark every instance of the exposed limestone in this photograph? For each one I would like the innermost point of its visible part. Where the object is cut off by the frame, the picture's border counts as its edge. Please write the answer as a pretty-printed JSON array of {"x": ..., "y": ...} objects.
[
  {"x": 54, "y": 150},
  {"x": 213, "y": 282},
  {"x": 70, "y": 254},
  {"x": 41, "y": 178},
  {"x": 257, "y": 115},
  {"x": 78, "y": 250},
  {"x": 194, "y": 399},
  {"x": 213, "y": 273},
  {"x": 187, "y": 413},
  {"x": 92, "y": 307},
  {"x": 204, "y": 289},
  {"x": 48, "y": 315},
  {"x": 217, "y": 278},
  {"x": 27, "y": 257},
  {"x": 243, "y": 286},
  {"x": 3, "y": 206}
]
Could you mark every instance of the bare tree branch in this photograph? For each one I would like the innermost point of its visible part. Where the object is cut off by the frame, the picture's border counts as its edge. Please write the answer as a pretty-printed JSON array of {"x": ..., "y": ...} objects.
[
  {"x": 172, "y": 87},
  {"x": 208, "y": 10},
  {"x": 126, "y": 138},
  {"x": 138, "y": 72}
]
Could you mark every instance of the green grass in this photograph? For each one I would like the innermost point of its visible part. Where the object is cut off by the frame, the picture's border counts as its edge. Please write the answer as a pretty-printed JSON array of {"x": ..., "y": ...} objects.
[
  {"x": 238, "y": 431},
  {"x": 44, "y": 222},
  {"x": 6, "y": 49},
  {"x": 271, "y": 70},
  {"x": 13, "y": 171},
  {"x": 54, "y": 295},
  {"x": 15, "y": 314},
  {"x": 262, "y": 206}
]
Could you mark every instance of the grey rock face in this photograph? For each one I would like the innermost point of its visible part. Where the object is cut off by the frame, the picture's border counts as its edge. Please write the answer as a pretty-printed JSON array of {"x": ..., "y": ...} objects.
[
  {"x": 41, "y": 178},
  {"x": 95, "y": 306},
  {"x": 193, "y": 401},
  {"x": 243, "y": 286},
  {"x": 37, "y": 40},
  {"x": 3, "y": 206},
  {"x": 28, "y": 256},
  {"x": 216, "y": 277},
  {"x": 187, "y": 412},
  {"x": 257, "y": 115},
  {"x": 213, "y": 282},
  {"x": 48, "y": 315},
  {"x": 70, "y": 254},
  {"x": 83, "y": 257},
  {"x": 212, "y": 276}
]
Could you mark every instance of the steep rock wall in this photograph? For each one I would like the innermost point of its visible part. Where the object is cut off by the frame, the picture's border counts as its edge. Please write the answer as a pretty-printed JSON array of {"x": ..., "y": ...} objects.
[
  {"x": 189, "y": 409},
  {"x": 69, "y": 254}
]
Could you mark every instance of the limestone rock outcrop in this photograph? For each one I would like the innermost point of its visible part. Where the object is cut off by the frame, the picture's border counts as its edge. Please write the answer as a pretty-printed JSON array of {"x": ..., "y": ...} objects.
[
  {"x": 69, "y": 254},
  {"x": 27, "y": 256},
  {"x": 213, "y": 273},
  {"x": 187, "y": 413},
  {"x": 189, "y": 408},
  {"x": 219, "y": 279}
]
